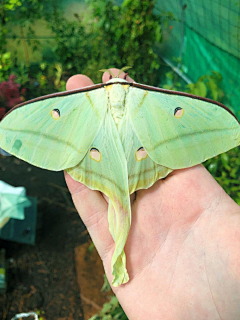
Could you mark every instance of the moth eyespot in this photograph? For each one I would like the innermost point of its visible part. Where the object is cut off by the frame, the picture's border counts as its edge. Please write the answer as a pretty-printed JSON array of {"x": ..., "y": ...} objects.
[
  {"x": 178, "y": 112},
  {"x": 55, "y": 113},
  {"x": 95, "y": 154},
  {"x": 141, "y": 154}
]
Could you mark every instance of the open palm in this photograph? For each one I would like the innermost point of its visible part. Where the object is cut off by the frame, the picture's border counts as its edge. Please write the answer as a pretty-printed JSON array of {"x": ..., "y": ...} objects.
[{"x": 182, "y": 251}]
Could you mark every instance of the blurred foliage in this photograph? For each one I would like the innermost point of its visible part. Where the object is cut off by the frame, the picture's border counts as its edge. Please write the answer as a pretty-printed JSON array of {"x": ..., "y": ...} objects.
[
  {"x": 22, "y": 15},
  {"x": 6, "y": 6},
  {"x": 73, "y": 48},
  {"x": 109, "y": 35},
  {"x": 9, "y": 93},
  {"x": 125, "y": 35},
  {"x": 106, "y": 285},
  {"x": 6, "y": 65},
  {"x": 36, "y": 80},
  {"x": 111, "y": 311},
  {"x": 206, "y": 85},
  {"x": 226, "y": 170},
  {"x": 41, "y": 315}
]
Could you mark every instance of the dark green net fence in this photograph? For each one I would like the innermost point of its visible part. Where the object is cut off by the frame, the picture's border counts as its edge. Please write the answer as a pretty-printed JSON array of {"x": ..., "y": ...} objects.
[{"x": 205, "y": 36}]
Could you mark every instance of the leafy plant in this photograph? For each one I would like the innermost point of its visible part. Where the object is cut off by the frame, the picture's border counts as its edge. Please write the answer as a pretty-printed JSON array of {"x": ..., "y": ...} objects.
[
  {"x": 106, "y": 285},
  {"x": 109, "y": 35},
  {"x": 9, "y": 93},
  {"x": 125, "y": 35},
  {"x": 73, "y": 47},
  {"x": 41, "y": 314},
  {"x": 6, "y": 64},
  {"x": 226, "y": 170},
  {"x": 6, "y": 6},
  {"x": 22, "y": 15},
  {"x": 206, "y": 85},
  {"x": 111, "y": 311}
]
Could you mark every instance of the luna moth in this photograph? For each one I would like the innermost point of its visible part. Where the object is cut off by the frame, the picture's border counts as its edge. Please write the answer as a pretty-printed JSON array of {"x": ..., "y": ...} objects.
[{"x": 118, "y": 137}]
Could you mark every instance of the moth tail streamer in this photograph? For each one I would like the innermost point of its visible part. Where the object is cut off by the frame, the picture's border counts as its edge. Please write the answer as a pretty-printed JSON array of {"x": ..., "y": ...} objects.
[{"x": 119, "y": 225}]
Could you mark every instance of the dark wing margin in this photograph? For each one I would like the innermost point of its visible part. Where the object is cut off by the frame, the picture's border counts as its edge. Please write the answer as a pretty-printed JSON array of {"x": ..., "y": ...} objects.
[
  {"x": 57, "y": 94},
  {"x": 179, "y": 93}
]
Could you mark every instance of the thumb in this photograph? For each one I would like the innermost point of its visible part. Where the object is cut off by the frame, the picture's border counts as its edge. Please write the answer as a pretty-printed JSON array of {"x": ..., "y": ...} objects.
[{"x": 93, "y": 210}]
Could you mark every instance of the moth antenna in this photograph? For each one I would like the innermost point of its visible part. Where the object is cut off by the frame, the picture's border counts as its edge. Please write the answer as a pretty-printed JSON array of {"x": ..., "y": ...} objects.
[
  {"x": 107, "y": 70},
  {"x": 122, "y": 70}
]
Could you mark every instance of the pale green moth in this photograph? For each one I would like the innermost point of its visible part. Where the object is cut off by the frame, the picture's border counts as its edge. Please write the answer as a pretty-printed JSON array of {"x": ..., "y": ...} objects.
[{"x": 118, "y": 137}]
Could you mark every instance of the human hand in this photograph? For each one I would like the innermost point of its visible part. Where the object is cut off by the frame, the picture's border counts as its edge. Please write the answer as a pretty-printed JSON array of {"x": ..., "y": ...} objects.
[{"x": 183, "y": 247}]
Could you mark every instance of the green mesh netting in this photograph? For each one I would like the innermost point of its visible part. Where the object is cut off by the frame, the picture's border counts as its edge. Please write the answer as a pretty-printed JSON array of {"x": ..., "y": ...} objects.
[{"x": 206, "y": 36}]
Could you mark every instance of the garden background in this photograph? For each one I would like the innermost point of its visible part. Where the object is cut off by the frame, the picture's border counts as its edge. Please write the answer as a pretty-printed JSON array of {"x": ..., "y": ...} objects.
[{"x": 191, "y": 46}]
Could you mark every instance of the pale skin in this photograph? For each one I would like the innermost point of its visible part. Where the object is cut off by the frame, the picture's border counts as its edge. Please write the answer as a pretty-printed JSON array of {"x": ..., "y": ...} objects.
[{"x": 183, "y": 249}]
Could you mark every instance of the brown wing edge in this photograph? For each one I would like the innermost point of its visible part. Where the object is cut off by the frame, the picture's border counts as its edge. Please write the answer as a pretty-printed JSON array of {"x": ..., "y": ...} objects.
[
  {"x": 57, "y": 94},
  {"x": 179, "y": 93},
  {"x": 133, "y": 84}
]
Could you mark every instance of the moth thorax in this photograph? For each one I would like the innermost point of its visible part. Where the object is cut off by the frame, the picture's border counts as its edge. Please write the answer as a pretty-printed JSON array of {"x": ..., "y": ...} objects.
[{"x": 116, "y": 98}]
